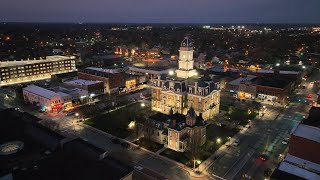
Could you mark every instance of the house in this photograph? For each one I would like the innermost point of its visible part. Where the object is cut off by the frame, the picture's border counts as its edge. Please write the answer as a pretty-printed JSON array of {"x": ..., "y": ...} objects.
[{"x": 177, "y": 131}]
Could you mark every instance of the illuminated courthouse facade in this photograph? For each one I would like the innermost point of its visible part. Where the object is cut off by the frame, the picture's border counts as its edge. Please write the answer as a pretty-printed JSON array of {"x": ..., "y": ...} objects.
[
  {"x": 187, "y": 89},
  {"x": 14, "y": 72}
]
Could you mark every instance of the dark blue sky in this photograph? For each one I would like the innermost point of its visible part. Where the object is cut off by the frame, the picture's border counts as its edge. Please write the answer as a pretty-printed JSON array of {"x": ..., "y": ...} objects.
[{"x": 161, "y": 11}]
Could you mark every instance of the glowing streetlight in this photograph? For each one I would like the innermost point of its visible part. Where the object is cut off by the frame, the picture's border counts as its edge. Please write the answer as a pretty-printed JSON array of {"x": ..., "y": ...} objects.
[
  {"x": 303, "y": 67},
  {"x": 77, "y": 114},
  {"x": 218, "y": 140},
  {"x": 171, "y": 73},
  {"x": 132, "y": 124},
  {"x": 143, "y": 105},
  {"x": 278, "y": 64}
]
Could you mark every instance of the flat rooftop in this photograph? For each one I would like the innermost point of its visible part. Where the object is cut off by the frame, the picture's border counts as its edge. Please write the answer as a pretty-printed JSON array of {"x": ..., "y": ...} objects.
[
  {"x": 26, "y": 62},
  {"x": 40, "y": 91},
  {"x": 300, "y": 168},
  {"x": 239, "y": 80},
  {"x": 307, "y": 132},
  {"x": 82, "y": 82}
]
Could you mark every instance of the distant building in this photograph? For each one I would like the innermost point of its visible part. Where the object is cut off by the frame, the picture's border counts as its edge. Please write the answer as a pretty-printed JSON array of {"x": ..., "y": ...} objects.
[
  {"x": 133, "y": 83},
  {"x": 93, "y": 87},
  {"x": 186, "y": 89},
  {"x": 265, "y": 87},
  {"x": 176, "y": 131},
  {"x": 14, "y": 72},
  {"x": 150, "y": 72},
  {"x": 200, "y": 61},
  {"x": 112, "y": 78},
  {"x": 115, "y": 80}
]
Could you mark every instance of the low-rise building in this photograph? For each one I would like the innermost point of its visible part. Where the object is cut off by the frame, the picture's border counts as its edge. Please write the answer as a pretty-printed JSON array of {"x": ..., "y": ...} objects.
[
  {"x": 150, "y": 72},
  {"x": 133, "y": 83},
  {"x": 176, "y": 131},
  {"x": 78, "y": 96},
  {"x": 14, "y": 72},
  {"x": 266, "y": 87},
  {"x": 302, "y": 160},
  {"x": 112, "y": 78},
  {"x": 47, "y": 100},
  {"x": 93, "y": 87}
]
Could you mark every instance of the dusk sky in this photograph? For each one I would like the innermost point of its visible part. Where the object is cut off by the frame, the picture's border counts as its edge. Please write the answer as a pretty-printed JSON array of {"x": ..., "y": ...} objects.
[{"x": 161, "y": 11}]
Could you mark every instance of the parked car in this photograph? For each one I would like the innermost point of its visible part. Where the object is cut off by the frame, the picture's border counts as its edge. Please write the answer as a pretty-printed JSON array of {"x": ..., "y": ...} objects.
[
  {"x": 236, "y": 142},
  {"x": 70, "y": 113},
  {"x": 285, "y": 141}
]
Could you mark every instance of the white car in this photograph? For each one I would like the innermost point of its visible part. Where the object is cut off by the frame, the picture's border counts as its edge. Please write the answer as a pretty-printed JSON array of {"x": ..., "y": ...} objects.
[
  {"x": 236, "y": 142},
  {"x": 285, "y": 141}
]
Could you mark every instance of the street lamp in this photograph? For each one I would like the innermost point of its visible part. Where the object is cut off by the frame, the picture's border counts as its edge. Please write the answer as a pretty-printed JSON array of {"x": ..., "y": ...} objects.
[
  {"x": 132, "y": 124},
  {"x": 218, "y": 140},
  {"x": 143, "y": 104},
  {"x": 171, "y": 73},
  {"x": 194, "y": 163}
]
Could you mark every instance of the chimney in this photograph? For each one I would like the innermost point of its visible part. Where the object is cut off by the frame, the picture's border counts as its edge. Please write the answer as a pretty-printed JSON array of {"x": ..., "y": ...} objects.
[
  {"x": 158, "y": 80},
  {"x": 196, "y": 87}
]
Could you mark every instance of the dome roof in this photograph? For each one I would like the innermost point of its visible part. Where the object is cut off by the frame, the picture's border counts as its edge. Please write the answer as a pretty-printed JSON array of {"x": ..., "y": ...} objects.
[{"x": 187, "y": 42}]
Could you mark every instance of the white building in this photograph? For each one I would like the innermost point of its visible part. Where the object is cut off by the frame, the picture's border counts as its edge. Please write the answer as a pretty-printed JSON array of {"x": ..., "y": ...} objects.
[
  {"x": 151, "y": 73},
  {"x": 15, "y": 72},
  {"x": 186, "y": 61},
  {"x": 45, "y": 99}
]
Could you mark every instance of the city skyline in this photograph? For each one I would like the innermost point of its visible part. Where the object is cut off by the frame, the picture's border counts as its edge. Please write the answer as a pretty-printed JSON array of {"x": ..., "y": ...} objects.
[{"x": 141, "y": 11}]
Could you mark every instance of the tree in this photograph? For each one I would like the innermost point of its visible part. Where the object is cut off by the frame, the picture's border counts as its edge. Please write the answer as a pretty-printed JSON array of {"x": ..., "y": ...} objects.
[{"x": 194, "y": 145}]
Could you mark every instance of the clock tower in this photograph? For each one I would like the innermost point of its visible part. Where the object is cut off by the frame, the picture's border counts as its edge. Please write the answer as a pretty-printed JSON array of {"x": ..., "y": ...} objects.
[{"x": 186, "y": 60}]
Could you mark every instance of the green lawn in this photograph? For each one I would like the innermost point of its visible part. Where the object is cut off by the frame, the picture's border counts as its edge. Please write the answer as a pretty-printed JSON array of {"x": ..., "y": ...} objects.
[
  {"x": 183, "y": 158},
  {"x": 148, "y": 144},
  {"x": 116, "y": 122}
]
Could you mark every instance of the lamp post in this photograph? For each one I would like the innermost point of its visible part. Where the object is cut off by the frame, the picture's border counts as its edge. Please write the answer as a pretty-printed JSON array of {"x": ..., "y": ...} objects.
[{"x": 77, "y": 115}]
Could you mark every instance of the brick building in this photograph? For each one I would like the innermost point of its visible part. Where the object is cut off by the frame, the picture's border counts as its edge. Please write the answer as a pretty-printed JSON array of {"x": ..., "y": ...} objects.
[
  {"x": 302, "y": 160},
  {"x": 93, "y": 87},
  {"x": 264, "y": 87},
  {"x": 112, "y": 78},
  {"x": 176, "y": 131}
]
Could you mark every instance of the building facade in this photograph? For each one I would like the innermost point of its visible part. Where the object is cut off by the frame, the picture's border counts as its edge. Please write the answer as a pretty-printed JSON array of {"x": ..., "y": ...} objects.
[
  {"x": 176, "y": 131},
  {"x": 112, "y": 78},
  {"x": 93, "y": 87},
  {"x": 150, "y": 73},
  {"x": 47, "y": 100},
  {"x": 266, "y": 87},
  {"x": 186, "y": 90},
  {"x": 14, "y": 72}
]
